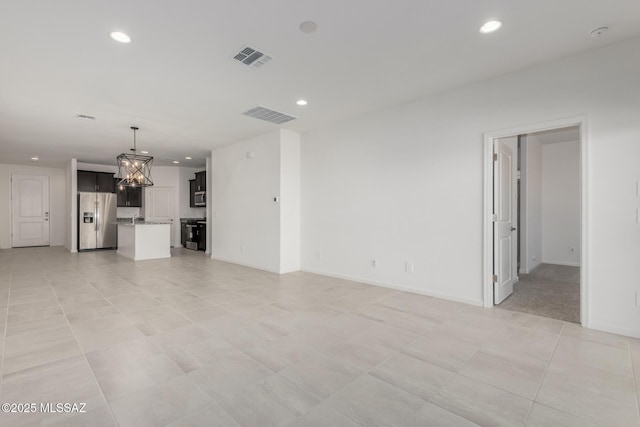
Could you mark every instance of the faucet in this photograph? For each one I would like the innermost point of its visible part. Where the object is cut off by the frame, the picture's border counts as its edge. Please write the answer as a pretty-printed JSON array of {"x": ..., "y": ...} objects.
[{"x": 133, "y": 218}]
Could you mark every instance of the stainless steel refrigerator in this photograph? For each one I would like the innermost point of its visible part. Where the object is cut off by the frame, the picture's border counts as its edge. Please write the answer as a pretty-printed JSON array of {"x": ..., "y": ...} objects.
[{"x": 97, "y": 228}]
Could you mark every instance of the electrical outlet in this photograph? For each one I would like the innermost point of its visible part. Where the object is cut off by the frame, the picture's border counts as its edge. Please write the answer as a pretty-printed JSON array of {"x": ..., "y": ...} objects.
[
  {"x": 374, "y": 263},
  {"x": 408, "y": 267},
  {"x": 241, "y": 249},
  {"x": 319, "y": 255}
]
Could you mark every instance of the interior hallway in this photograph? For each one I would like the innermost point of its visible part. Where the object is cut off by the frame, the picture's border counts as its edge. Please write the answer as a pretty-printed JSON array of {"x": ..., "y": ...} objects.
[
  {"x": 550, "y": 291},
  {"x": 187, "y": 341}
]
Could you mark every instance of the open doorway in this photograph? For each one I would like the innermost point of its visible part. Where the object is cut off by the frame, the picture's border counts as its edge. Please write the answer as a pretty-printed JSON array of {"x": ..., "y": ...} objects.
[
  {"x": 535, "y": 242},
  {"x": 548, "y": 230}
]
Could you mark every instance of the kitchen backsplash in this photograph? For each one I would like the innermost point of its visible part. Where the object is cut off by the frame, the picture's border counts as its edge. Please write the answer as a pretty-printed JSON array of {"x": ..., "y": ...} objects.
[{"x": 129, "y": 212}]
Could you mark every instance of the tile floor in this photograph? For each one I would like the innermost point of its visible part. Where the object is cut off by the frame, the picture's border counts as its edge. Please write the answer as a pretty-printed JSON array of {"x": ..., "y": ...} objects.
[
  {"x": 193, "y": 342},
  {"x": 550, "y": 291}
]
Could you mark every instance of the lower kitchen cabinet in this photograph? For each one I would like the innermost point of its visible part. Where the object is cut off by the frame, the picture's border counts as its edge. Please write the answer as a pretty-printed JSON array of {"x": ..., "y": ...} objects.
[{"x": 202, "y": 237}]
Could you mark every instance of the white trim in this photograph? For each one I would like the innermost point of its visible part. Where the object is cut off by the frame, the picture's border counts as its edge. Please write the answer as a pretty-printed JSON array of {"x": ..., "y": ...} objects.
[
  {"x": 487, "y": 258},
  {"x": 614, "y": 329},
  {"x": 245, "y": 264},
  {"x": 567, "y": 263},
  {"x": 396, "y": 287}
]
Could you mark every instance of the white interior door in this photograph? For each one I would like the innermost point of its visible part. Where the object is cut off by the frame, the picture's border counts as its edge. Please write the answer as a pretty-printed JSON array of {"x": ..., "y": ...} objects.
[
  {"x": 29, "y": 210},
  {"x": 504, "y": 199},
  {"x": 160, "y": 205}
]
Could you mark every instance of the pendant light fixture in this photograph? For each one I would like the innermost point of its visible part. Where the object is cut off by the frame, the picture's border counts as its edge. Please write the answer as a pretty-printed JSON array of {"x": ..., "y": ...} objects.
[{"x": 134, "y": 170}]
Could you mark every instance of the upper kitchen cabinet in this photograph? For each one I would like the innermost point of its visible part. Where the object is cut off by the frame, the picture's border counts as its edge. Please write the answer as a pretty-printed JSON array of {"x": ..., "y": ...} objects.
[
  {"x": 129, "y": 197},
  {"x": 192, "y": 193},
  {"x": 197, "y": 190},
  {"x": 201, "y": 181},
  {"x": 101, "y": 182}
]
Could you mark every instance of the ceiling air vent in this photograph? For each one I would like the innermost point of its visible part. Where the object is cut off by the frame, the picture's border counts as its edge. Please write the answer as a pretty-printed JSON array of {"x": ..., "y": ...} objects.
[
  {"x": 268, "y": 115},
  {"x": 252, "y": 57}
]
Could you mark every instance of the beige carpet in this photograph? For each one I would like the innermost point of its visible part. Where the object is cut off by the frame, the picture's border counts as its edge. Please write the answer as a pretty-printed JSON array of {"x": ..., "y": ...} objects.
[{"x": 549, "y": 291}]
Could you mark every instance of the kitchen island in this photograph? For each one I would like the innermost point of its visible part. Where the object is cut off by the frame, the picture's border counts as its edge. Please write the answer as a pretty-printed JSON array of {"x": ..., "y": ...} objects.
[{"x": 144, "y": 240}]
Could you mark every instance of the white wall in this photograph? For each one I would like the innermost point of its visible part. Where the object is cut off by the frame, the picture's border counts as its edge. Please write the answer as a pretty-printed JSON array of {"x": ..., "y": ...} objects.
[
  {"x": 406, "y": 183},
  {"x": 209, "y": 208},
  {"x": 561, "y": 203},
  {"x": 57, "y": 204},
  {"x": 289, "y": 201},
  {"x": 93, "y": 167},
  {"x": 533, "y": 203},
  {"x": 246, "y": 219},
  {"x": 71, "y": 182}
]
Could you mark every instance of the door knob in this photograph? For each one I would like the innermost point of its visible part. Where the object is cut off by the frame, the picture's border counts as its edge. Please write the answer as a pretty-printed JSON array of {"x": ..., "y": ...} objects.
[{"x": 513, "y": 229}]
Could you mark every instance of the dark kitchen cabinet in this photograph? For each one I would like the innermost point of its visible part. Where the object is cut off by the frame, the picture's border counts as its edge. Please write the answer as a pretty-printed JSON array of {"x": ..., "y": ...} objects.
[
  {"x": 86, "y": 181},
  {"x": 202, "y": 236},
  {"x": 201, "y": 181},
  {"x": 192, "y": 193},
  {"x": 129, "y": 197},
  {"x": 101, "y": 182},
  {"x": 104, "y": 182}
]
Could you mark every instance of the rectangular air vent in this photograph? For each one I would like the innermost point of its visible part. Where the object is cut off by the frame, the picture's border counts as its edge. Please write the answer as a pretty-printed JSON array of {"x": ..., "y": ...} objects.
[
  {"x": 252, "y": 57},
  {"x": 268, "y": 115}
]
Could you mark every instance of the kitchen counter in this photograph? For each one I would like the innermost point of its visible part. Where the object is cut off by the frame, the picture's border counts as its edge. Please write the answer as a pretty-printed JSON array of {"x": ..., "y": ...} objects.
[{"x": 144, "y": 240}]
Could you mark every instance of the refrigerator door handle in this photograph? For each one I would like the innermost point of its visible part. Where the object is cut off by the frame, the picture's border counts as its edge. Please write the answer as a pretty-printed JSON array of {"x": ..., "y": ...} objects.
[{"x": 97, "y": 216}]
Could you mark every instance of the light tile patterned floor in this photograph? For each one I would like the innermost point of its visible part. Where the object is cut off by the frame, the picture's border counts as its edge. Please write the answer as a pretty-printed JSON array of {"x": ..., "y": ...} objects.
[{"x": 193, "y": 342}]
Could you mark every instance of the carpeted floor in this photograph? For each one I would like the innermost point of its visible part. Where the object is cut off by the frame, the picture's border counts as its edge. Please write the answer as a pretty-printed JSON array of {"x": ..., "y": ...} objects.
[{"x": 549, "y": 291}]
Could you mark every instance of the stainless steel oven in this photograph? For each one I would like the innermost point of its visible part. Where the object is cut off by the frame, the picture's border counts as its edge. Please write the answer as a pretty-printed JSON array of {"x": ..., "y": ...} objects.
[{"x": 200, "y": 198}]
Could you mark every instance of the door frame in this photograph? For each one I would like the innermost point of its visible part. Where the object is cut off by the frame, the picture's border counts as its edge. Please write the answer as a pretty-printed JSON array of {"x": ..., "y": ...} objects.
[{"x": 487, "y": 258}]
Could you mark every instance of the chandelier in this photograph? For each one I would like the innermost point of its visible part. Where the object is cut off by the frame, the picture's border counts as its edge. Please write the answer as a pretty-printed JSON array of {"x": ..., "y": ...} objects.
[{"x": 134, "y": 170}]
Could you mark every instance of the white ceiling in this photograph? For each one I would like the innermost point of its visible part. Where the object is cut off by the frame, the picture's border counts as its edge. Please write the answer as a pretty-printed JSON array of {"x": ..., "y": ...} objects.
[{"x": 178, "y": 82}]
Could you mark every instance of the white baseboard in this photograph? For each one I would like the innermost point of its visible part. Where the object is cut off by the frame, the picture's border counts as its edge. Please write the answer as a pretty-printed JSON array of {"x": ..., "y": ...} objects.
[
  {"x": 478, "y": 303},
  {"x": 244, "y": 264},
  {"x": 614, "y": 329},
  {"x": 567, "y": 263}
]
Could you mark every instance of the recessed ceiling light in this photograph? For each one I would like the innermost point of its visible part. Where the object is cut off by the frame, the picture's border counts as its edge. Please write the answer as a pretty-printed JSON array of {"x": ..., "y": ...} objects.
[
  {"x": 35, "y": 158},
  {"x": 301, "y": 102},
  {"x": 144, "y": 152},
  {"x": 188, "y": 158},
  {"x": 308, "y": 27},
  {"x": 120, "y": 37},
  {"x": 176, "y": 162},
  {"x": 490, "y": 27}
]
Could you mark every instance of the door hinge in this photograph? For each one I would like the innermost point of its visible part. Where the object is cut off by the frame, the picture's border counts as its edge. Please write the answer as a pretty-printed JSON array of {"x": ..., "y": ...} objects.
[
  {"x": 495, "y": 278},
  {"x": 495, "y": 157},
  {"x": 494, "y": 217}
]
